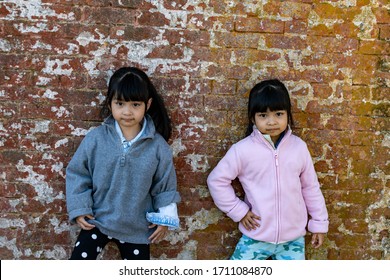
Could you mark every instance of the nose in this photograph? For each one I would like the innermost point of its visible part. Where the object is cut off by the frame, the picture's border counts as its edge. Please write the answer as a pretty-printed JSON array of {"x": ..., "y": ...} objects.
[
  {"x": 127, "y": 110},
  {"x": 271, "y": 120}
]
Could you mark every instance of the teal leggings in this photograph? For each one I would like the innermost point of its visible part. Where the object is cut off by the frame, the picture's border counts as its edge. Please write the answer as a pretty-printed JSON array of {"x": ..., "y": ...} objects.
[{"x": 250, "y": 249}]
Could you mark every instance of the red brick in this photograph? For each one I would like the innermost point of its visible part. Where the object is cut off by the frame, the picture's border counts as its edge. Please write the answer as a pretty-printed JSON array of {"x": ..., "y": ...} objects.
[{"x": 253, "y": 24}]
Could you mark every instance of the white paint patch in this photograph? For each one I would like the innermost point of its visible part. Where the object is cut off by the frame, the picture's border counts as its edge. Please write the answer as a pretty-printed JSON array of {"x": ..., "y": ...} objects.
[
  {"x": 315, "y": 20},
  {"x": 57, "y": 67},
  {"x": 76, "y": 131},
  {"x": 5, "y": 45},
  {"x": 10, "y": 245},
  {"x": 60, "y": 112},
  {"x": 85, "y": 38},
  {"x": 61, "y": 142},
  {"x": 58, "y": 226},
  {"x": 12, "y": 223},
  {"x": 58, "y": 253},
  {"x": 366, "y": 22},
  {"x": 32, "y": 10},
  {"x": 39, "y": 27},
  {"x": 49, "y": 94},
  {"x": 200, "y": 220},
  {"x": 45, "y": 193},
  {"x": 58, "y": 168},
  {"x": 343, "y": 230},
  {"x": 177, "y": 147},
  {"x": 40, "y": 127},
  {"x": 42, "y": 46},
  {"x": 386, "y": 139},
  {"x": 199, "y": 163},
  {"x": 43, "y": 81}
]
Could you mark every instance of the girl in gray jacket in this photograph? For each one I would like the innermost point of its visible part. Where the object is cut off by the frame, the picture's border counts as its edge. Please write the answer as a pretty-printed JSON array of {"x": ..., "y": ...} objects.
[{"x": 121, "y": 182}]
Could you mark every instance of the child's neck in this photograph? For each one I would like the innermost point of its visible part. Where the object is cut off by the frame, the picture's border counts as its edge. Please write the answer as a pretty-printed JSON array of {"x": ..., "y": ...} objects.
[{"x": 131, "y": 132}]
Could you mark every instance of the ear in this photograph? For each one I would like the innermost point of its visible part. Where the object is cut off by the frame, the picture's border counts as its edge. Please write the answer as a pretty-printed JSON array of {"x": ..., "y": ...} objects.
[{"x": 149, "y": 104}]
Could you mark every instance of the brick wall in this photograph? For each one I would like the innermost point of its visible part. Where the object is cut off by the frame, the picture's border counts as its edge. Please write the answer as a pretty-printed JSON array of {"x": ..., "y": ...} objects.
[{"x": 55, "y": 60}]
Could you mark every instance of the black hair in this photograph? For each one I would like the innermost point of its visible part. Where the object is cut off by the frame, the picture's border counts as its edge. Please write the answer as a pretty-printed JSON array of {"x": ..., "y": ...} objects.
[
  {"x": 269, "y": 94},
  {"x": 132, "y": 84}
]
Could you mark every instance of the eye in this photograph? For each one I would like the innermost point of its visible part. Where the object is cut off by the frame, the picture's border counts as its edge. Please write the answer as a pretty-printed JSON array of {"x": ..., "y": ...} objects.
[
  {"x": 118, "y": 102},
  {"x": 137, "y": 104},
  {"x": 262, "y": 115},
  {"x": 280, "y": 113}
]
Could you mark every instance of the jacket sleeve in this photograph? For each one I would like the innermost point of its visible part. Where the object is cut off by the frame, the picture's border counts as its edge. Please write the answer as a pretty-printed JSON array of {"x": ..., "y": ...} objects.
[
  {"x": 79, "y": 184},
  {"x": 164, "y": 186},
  {"x": 315, "y": 202},
  {"x": 219, "y": 183}
]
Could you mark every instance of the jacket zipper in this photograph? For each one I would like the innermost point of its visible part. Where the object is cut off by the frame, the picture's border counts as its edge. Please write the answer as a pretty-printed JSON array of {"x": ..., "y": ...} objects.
[
  {"x": 278, "y": 221},
  {"x": 278, "y": 197}
]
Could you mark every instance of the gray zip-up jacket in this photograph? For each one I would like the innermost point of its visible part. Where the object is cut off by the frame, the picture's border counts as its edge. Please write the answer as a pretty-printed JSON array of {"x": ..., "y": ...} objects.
[{"x": 118, "y": 188}]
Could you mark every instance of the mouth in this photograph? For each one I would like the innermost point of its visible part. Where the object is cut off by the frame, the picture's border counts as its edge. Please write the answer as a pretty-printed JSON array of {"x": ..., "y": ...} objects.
[{"x": 273, "y": 130}]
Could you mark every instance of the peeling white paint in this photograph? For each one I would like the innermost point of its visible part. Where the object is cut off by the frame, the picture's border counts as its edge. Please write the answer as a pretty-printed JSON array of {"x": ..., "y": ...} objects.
[
  {"x": 58, "y": 226},
  {"x": 10, "y": 245},
  {"x": 43, "y": 81},
  {"x": 343, "y": 230},
  {"x": 200, "y": 220},
  {"x": 39, "y": 27},
  {"x": 12, "y": 223},
  {"x": 49, "y": 94},
  {"x": 315, "y": 20},
  {"x": 58, "y": 253},
  {"x": 60, "y": 111},
  {"x": 366, "y": 22},
  {"x": 302, "y": 101},
  {"x": 33, "y": 10},
  {"x": 189, "y": 251},
  {"x": 45, "y": 193},
  {"x": 386, "y": 139},
  {"x": 41, "y": 146},
  {"x": 40, "y": 127},
  {"x": 5, "y": 45},
  {"x": 61, "y": 142},
  {"x": 40, "y": 45},
  {"x": 57, "y": 67},
  {"x": 58, "y": 168},
  {"x": 77, "y": 131},
  {"x": 198, "y": 163},
  {"x": 177, "y": 147}
]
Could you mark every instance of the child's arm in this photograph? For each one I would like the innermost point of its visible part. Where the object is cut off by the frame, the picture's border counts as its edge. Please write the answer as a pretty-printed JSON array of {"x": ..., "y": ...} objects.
[
  {"x": 314, "y": 199},
  {"x": 164, "y": 185},
  {"x": 219, "y": 182},
  {"x": 165, "y": 196},
  {"x": 79, "y": 184}
]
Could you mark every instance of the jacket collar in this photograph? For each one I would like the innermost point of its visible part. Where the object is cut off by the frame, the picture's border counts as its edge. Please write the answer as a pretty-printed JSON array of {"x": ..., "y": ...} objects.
[{"x": 262, "y": 138}]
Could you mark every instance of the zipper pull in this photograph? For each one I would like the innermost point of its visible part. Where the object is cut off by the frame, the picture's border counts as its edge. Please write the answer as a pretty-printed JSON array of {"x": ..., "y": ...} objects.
[{"x": 276, "y": 159}]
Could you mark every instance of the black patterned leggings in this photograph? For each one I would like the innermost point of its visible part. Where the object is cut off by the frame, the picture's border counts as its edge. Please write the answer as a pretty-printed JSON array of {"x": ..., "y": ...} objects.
[{"x": 90, "y": 244}]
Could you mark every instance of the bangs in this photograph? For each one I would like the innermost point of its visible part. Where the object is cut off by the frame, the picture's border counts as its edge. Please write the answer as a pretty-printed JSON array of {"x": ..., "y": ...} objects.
[
  {"x": 269, "y": 98},
  {"x": 131, "y": 88}
]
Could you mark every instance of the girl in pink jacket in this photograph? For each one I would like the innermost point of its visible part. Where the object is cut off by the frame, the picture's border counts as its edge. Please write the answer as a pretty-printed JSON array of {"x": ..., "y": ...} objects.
[{"x": 282, "y": 193}]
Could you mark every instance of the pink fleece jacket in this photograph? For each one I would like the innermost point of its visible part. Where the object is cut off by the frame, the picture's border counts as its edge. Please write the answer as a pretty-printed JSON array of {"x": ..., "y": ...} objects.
[{"x": 280, "y": 185}]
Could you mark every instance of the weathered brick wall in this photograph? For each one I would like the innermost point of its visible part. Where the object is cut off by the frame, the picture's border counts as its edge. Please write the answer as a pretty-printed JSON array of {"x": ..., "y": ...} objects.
[{"x": 203, "y": 55}]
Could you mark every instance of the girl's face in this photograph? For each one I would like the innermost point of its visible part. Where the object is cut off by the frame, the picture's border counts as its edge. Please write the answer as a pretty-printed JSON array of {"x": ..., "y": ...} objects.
[
  {"x": 272, "y": 123},
  {"x": 129, "y": 114}
]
